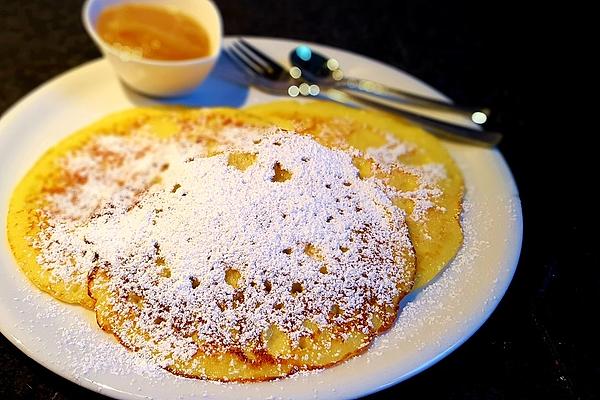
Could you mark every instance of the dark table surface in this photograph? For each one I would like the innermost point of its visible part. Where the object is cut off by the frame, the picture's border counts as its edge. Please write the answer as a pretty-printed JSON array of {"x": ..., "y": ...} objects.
[{"x": 533, "y": 345}]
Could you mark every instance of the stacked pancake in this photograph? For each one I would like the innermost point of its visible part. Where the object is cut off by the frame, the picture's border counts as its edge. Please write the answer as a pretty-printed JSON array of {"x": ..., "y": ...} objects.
[{"x": 240, "y": 245}]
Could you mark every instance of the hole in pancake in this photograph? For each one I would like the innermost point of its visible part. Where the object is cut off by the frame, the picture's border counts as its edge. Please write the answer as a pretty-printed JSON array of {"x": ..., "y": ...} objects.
[
  {"x": 364, "y": 167},
  {"x": 238, "y": 297},
  {"x": 313, "y": 252},
  {"x": 347, "y": 183},
  {"x": 277, "y": 342},
  {"x": 296, "y": 288},
  {"x": 241, "y": 161},
  {"x": 335, "y": 311},
  {"x": 311, "y": 326},
  {"x": 344, "y": 249},
  {"x": 135, "y": 298},
  {"x": 159, "y": 320},
  {"x": 256, "y": 141},
  {"x": 232, "y": 277},
  {"x": 195, "y": 282},
  {"x": 305, "y": 159},
  {"x": 328, "y": 186},
  {"x": 304, "y": 342},
  {"x": 177, "y": 186},
  {"x": 280, "y": 174},
  {"x": 287, "y": 251},
  {"x": 268, "y": 286},
  {"x": 323, "y": 270},
  {"x": 377, "y": 322},
  {"x": 165, "y": 273}
]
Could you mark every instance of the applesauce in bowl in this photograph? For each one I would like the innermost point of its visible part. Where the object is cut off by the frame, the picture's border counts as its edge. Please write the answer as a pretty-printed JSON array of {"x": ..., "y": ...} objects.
[{"x": 159, "y": 48}]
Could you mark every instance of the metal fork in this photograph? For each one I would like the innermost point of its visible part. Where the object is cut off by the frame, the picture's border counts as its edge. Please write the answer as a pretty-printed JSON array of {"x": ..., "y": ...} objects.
[{"x": 268, "y": 76}]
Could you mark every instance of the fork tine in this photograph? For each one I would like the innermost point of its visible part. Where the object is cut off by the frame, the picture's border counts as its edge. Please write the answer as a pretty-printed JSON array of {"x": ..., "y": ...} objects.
[
  {"x": 266, "y": 69},
  {"x": 242, "y": 62},
  {"x": 262, "y": 56}
]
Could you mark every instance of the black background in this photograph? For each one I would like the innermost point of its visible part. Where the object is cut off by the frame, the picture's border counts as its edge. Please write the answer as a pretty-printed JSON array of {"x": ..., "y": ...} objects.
[{"x": 535, "y": 345}]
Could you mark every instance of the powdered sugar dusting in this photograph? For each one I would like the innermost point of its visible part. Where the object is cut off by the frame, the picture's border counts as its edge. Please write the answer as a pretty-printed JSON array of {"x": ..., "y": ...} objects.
[
  {"x": 428, "y": 191},
  {"x": 220, "y": 219},
  {"x": 426, "y": 309},
  {"x": 424, "y": 197},
  {"x": 388, "y": 154},
  {"x": 207, "y": 218},
  {"x": 83, "y": 348},
  {"x": 106, "y": 175},
  {"x": 446, "y": 301}
]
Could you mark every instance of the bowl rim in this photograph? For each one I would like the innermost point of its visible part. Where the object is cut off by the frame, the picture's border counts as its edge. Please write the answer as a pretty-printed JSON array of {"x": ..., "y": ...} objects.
[{"x": 106, "y": 47}]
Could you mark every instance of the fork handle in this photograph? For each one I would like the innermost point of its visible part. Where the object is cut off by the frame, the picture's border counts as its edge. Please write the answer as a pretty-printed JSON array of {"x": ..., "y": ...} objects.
[
  {"x": 435, "y": 126},
  {"x": 394, "y": 94}
]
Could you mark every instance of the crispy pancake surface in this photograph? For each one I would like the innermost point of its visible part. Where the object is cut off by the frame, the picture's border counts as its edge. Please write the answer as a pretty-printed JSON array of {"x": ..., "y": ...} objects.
[{"x": 429, "y": 184}]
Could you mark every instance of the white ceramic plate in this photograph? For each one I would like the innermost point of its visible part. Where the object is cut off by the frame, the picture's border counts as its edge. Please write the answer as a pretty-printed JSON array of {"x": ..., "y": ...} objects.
[{"x": 436, "y": 320}]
